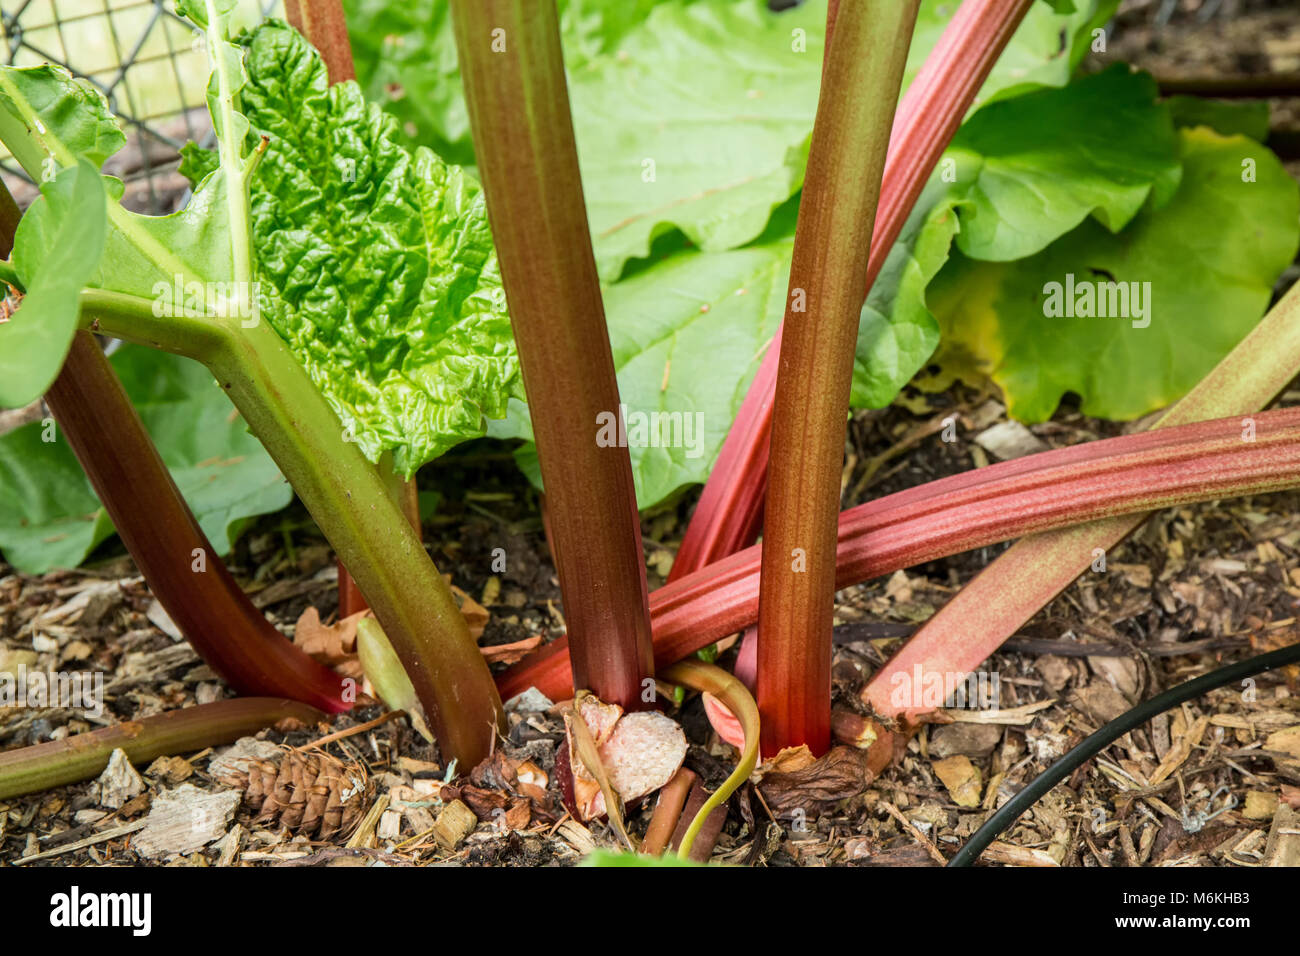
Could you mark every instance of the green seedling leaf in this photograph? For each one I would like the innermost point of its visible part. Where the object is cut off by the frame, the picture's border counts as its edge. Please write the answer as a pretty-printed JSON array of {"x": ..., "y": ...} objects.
[
  {"x": 1197, "y": 274},
  {"x": 377, "y": 265},
  {"x": 35, "y": 339},
  {"x": 710, "y": 679},
  {"x": 52, "y": 517}
]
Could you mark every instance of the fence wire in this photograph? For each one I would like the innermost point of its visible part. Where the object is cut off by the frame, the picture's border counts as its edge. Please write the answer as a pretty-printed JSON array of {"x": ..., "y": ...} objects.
[{"x": 151, "y": 67}]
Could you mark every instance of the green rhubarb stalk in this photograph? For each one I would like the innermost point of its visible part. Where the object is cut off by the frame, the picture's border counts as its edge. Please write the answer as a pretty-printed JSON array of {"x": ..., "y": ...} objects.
[
  {"x": 1024, "y": 579},
  {"x": 352, "y": 505},
  {"x": 863, "y": 74},
  {"x": 518, "y": 103},
  {"x": 105, "y": 432},
  {"x": 82, "y": 756}
]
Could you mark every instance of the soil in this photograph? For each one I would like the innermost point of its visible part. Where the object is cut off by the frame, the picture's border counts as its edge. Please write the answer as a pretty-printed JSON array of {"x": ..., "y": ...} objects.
[{"x": 1194, "y": 588}]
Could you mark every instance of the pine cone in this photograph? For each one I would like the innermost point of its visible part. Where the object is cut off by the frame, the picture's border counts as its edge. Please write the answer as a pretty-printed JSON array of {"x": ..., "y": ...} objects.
[{"x": 312, "y": 794}]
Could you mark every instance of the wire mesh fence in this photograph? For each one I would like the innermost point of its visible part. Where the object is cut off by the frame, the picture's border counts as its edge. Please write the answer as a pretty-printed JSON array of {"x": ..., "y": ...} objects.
[{"x": 151, "y": 67}]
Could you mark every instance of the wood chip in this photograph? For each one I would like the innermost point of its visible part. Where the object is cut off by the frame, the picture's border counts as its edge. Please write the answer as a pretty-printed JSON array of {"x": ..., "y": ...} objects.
[{"x": 184, "y": 820}]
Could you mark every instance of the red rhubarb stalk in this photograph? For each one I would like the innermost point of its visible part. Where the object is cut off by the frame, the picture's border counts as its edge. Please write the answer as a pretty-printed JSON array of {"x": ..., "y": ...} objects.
[
  {"x": 863, "y": 74},
  {"x": 729, "y": 514},
  {"x": 168, "y": 546},
  {"x": 1035, "y": 570},
  {"x": 1057, "y": 489},
  {"x": 323, "y": 23},
  {"x": 518, "y": 102},
  {"x": 105, "y": 433}
]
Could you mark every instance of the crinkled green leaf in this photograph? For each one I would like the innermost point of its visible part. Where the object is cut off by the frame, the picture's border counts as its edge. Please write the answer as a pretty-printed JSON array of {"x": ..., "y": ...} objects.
[
  {"x": 1211, "y": 256},
  {"x": 405, "y": 57},
  {"x": 34, "y": 341},
  {"x": 51, "y": 516},
  {"x": 1030, "y": 169},
  {"x": 376, "y": 265}
]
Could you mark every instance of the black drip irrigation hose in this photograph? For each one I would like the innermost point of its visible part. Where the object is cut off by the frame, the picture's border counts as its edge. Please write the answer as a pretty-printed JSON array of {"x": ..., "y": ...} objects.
[{"x": 1098, "y": 741}]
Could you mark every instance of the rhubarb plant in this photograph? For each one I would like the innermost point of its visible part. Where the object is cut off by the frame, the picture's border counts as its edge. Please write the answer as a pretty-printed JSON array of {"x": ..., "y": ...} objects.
[{"x": 204, "y": 283}]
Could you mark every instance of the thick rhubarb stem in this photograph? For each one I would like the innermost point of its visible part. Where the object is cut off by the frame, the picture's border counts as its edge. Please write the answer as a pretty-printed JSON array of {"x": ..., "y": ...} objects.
[
  {"x": 168, "y": 546},
  {"x": 348, "y": 500},
  {"x": 1056, "y": 489},
  {"x": 82, "y": 756},
  {"x": 1006, "y": 594},
  {"x": 863, "y": 73},
  {"x": 518, "y": 102},
  {"x": 729, "y": 514}
]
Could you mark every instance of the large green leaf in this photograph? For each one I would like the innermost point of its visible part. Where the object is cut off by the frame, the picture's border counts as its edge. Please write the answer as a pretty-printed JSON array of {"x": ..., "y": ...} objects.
[
  {"x": 1020, "y": 174},
  {"x": 689, "y": 115},
  {"x": 34, "y": 340},
  {"x": 377, "y": 265},
  {"x": 687, "y": 335},
  {"x": 1229, "y": 117},
  {"x": 1030, "y": 169},
  {"x": 1210, "y": 257},
  {"x": 51, "y": 517}
]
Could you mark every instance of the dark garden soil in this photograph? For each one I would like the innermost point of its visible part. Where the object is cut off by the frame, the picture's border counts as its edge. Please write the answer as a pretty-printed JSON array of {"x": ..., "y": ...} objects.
[{"x": 1193, "y": 589}]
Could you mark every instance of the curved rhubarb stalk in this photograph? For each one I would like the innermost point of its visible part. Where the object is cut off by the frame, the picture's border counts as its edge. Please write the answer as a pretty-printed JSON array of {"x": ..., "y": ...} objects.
[
  {"x": 1011, "y": 590},
  {"x": 729, "y": 514},
  {"x": 170, "y": 549},
  {"x": 82, "y": 756},
  {"x": 349, "y": 502},
  {"x": 1056, "y": 489}
]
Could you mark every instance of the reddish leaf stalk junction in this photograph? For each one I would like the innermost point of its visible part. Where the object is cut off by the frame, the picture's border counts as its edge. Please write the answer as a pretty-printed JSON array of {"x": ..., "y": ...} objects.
[
  {"x": 863, "y": 73},
  {"x": 172, "y": 552},
  {"x": 1098, "y": 480},
  {"x": 729, "y": 514},
  {"x": 515, "y": 88},
  {"x": 110, "y": 441}
]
